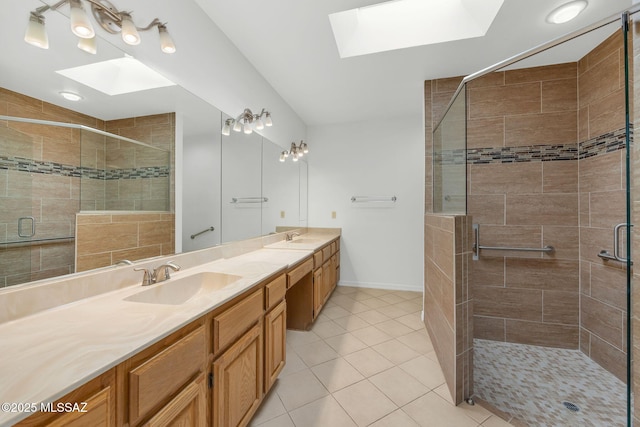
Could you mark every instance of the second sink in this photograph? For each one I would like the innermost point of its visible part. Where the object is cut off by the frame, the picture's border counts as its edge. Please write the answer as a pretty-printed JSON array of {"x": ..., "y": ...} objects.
[{"x": 179, "y": 290}]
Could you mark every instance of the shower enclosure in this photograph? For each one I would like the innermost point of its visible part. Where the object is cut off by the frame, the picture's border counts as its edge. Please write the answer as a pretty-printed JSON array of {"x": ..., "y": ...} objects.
[
  {"x": 50, "y": 171},
  {"x": 537, "y": 152}
]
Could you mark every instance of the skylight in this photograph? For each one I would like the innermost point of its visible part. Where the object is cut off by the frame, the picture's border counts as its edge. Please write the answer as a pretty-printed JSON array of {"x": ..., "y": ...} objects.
[
  {"x": 117, "y": 76},
  {"x": 400, "y": 24}
]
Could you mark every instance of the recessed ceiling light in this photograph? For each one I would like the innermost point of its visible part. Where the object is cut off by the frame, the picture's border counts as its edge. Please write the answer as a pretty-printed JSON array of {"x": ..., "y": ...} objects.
[
  {"x": 70, "y": 96},
  {"x": 566, "y": 12}
]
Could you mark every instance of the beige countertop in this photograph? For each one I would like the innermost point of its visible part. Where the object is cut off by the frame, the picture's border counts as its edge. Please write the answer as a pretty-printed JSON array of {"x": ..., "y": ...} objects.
[{"x": 48, "y": 354}]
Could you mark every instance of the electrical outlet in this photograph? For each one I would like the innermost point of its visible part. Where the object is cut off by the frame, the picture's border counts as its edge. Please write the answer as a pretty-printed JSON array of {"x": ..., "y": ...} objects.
[
  {"x": 281, "y": 214},
  {"x": 333, "y": 214}
]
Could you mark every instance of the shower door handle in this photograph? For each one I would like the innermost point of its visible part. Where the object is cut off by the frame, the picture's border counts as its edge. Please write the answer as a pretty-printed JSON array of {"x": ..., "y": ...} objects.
[
  {"x": 616, "y": 241},
  {"x": 33, "y": 226},
  {"x": 604, "y": 254}
]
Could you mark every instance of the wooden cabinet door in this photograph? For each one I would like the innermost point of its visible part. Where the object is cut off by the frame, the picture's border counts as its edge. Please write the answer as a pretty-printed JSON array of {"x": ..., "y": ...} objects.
[
  {"x": 334, "y": 274},
  {"x": 238, "y": 378},
  {"x": 326, "y": 280},
  {"x": 275, "y": 327},
  {"x": 187, "y": 409},
  {"x": 318, "y": 294}
]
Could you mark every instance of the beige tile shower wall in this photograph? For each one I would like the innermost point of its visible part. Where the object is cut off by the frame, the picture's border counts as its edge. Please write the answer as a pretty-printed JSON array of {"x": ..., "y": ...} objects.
[
  {"x": 602, "y": 206},
  {"x": 52, "y": 200},
  {"x": 104, "y": 239},
  {"x": 158, "y": 131},
  {"x": 448, "y": 306},
  {"x": 525, "y": 297}
]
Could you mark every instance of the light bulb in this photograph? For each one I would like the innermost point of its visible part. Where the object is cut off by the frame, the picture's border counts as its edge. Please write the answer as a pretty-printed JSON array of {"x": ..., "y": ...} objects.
[
  {"x": 88, "y": 45},
  {"x": 267, "y": 120},
  {"x": 226, "y": 129},
  {"x": 36, "y": 33},
  {"x": 295, "y": 157},
  {"x": 247, "y": 128},
  {"x": 237, "y": 127},
  {"x": 566, "y": 12},
  {"x": 80, "y": 24},
  {"x": 282, "y": 157},
  {"x": 166, "y": 43},
  {"x": 259, "y": 124},
  {"x": 129, "y": 32},
  {"x": 305, "y": 148}
]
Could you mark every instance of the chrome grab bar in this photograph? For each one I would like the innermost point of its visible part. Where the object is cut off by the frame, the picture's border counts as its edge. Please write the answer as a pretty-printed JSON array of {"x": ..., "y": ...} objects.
[
  {"x": 249, "y": 200},
  {"x": 29, "y": 242},
  {"x": 33, "y": 226},
  {"x": 477, "y": 247},
  {"x": 193, "y": 236},
  {"x": 604, "y": 254},
  {"x": 363, "y": 199}
]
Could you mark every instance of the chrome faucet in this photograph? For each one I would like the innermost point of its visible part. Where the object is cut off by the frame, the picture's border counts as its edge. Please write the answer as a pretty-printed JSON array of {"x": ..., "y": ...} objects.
[
  {"x": 159, "y": 274},
  {"x": 290, "y": 236}
]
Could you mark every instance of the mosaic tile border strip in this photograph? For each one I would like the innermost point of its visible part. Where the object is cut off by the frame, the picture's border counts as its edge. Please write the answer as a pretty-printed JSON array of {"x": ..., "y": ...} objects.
[
  {"x": 602, "y": 144},
  {"x": 51, "y": 168},
  {"x": 606, "y": 143}
]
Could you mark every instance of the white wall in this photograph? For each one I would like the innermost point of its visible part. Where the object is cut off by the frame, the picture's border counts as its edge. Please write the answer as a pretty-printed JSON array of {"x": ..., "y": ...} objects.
[
  {"x": 207, "y": 64},
  {"x": 382, "y": 244}
]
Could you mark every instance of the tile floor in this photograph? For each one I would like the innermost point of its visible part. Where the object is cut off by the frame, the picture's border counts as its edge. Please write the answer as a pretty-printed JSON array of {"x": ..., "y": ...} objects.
[
  {"x": 367, "y": 361},
  {"x": 531, "y": 382}
]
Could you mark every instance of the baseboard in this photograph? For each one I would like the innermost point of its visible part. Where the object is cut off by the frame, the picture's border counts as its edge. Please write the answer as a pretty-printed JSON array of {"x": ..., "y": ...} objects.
[{"x": 387, "y": 286}]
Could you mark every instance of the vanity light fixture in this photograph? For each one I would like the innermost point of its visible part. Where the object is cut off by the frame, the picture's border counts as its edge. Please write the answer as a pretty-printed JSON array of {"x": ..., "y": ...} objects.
[
  {"x": 247, "y": 122},
  {"x": 105, "y": 14},
  {"x": 566, "y": 12},
  {"x": 296, "y": 151}
]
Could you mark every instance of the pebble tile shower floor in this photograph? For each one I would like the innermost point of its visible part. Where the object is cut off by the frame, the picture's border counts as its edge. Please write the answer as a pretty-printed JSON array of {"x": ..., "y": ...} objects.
[
  {"x": 531, "y": 383},
  {"x": 367, "y": 361}
]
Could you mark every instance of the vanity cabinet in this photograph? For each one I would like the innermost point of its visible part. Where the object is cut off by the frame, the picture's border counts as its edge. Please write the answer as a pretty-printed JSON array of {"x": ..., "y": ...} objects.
[
  {"x": 214, "y": 371},
  {"x": 99, "y": 395}
]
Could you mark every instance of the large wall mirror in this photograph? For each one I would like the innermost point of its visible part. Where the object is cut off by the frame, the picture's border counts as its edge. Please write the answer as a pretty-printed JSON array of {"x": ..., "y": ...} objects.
[{"x": 232, "y": 187}]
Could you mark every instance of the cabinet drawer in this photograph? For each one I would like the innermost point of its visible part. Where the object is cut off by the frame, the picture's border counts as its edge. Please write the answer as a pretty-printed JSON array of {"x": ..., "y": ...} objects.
[
  {"x": 299, "y": 272},
  {"x": 164, "y": 374},
  {"x": 326, "y": 253},
  {"x": 275, "y": 291},
  {"x": 337, "y": 259},
  {"x": 233, "y": 322},
  {"x": 317, "y": 260},
  {"x": 333, "y": 248}
]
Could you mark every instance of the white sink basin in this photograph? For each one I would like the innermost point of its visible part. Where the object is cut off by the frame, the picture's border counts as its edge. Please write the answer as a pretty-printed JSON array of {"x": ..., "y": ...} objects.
[{"x": 180, "y": 290}]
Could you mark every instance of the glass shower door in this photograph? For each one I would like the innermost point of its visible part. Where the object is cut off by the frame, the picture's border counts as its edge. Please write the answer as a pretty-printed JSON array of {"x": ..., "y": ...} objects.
[{"x": 17, "y": 221}]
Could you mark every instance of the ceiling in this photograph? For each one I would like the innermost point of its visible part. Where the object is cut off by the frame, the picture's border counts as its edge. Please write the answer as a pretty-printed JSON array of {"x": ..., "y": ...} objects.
[{"x": 290, "y": 42}]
